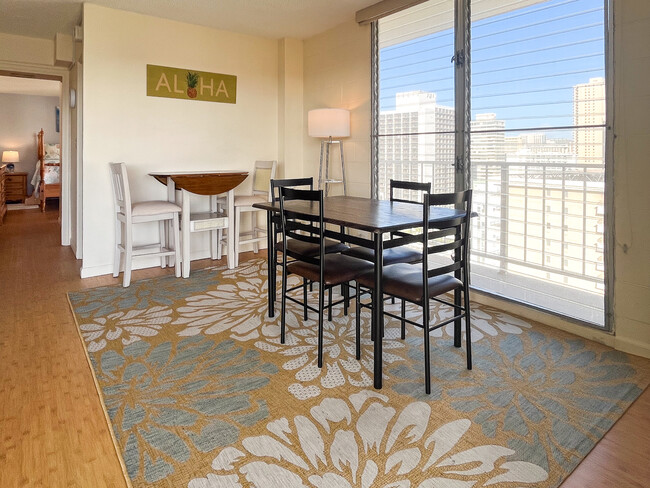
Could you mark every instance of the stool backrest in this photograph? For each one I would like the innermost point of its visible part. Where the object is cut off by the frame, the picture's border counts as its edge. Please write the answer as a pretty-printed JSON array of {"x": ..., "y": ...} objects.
[
  {"x": 121, "y": 192},
  {"x": 264, "y": 173}
]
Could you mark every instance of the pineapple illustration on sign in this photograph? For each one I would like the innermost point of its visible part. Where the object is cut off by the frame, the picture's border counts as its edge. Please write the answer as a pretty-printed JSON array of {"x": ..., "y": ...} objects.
[{"x": 192, "y": 81}]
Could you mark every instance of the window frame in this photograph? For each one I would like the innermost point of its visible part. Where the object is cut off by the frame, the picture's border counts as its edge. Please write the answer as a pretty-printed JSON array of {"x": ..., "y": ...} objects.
[{"x": 462, "y": 105}]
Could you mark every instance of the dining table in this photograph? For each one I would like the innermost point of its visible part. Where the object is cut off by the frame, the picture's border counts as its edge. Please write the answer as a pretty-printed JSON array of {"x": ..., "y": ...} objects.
[
  {"x": 378, "y": 220},
  {"x": 209, "y": 183}
]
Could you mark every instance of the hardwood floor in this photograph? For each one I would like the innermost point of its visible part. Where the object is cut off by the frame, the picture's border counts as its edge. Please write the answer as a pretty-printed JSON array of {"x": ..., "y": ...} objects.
[{"x": 52, "y": 427}]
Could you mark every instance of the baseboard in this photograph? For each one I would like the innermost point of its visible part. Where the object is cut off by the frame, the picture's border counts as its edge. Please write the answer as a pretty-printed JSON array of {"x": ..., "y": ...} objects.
[
  {"x": 633, "y": 347},
  {"x": 91, "y": 271},
  {"x": 549, "y": 319},
  {"x": 142, "y": 263}
]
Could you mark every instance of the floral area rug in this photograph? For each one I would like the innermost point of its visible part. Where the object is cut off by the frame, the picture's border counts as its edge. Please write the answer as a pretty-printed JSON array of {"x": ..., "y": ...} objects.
[{"x": 200, "y": 393}]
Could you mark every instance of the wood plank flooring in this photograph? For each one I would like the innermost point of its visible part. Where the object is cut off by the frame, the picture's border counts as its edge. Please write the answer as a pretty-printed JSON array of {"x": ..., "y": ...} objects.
[{"x": 53, "y": 433}]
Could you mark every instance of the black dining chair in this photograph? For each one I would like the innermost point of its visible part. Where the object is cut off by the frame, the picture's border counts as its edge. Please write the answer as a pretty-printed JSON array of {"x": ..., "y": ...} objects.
[
  {"x": 435, "y": 275},
  {"x": 328, "y": 270},
  {"x": 304, "y": 248},
  {"x": 402, "y": 254}
]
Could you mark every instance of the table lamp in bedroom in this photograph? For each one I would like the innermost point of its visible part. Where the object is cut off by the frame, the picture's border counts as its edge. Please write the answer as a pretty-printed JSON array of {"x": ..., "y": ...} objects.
[{"x": 10, "y": 157}]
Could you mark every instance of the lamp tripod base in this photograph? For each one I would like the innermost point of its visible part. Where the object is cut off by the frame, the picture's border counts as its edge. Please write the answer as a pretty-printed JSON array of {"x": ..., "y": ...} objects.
[{"x": 324, "y": 182}]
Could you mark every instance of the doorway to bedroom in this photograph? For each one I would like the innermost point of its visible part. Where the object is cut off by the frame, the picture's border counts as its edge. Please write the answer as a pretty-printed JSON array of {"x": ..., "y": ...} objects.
[{"x": 30, "y": 144}]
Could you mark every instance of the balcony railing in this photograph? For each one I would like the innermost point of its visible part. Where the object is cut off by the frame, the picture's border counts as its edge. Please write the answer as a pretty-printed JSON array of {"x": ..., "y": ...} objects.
[{"x": 543, "y": 220}]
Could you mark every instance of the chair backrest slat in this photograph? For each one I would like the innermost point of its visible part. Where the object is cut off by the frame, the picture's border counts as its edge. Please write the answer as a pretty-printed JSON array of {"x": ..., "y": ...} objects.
[
  {"x": 451, "y": 236},
  {"x": 412, "y": 187},
  {"x": 299, "y": 226},
  {"x": 289, "y": 183},
  {"x": 121, "y": 191},
  {"x": 262, "y": 177}
]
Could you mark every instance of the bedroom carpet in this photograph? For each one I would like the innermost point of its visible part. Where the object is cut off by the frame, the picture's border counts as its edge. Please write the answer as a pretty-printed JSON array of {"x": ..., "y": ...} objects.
[{"x": 200, "y": 392}]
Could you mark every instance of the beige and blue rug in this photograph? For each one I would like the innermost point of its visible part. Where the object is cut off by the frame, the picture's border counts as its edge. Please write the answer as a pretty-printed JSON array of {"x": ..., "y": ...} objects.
[{"x": 201, "y": 394}]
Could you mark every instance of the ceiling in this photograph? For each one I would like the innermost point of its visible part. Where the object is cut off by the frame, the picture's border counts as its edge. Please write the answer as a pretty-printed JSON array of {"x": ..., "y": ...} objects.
[
  {"x": 276, "y": 19},
  {"x": 30, "y": 86}
]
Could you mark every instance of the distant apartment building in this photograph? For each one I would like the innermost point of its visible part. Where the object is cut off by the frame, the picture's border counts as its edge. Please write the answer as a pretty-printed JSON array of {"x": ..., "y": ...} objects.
[
  {"x": 417, "y": 142},
  {"x": 488, "y": 139},
  {"x": 589, "y": 110},
  {"x": 540, "y": 205}
]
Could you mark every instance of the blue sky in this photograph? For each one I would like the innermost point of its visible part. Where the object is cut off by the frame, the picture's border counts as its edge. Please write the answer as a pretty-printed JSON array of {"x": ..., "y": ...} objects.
[{"x": 524, "y": 63}]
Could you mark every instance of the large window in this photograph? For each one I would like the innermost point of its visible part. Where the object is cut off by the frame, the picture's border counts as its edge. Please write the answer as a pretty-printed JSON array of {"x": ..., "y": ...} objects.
[
  {"x": 416, "y": 100},
  {"x": 537, "y": 145}
]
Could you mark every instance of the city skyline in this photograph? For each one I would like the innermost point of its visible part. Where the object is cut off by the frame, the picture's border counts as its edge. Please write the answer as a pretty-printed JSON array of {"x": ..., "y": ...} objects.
[{"x": 522, "y": 70}]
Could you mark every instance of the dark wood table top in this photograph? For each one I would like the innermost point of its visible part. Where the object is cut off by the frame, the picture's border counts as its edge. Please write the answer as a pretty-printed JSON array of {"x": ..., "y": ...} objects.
[
  {"x": 203, "y": 182},
  {"x": 377, "y": 216}
]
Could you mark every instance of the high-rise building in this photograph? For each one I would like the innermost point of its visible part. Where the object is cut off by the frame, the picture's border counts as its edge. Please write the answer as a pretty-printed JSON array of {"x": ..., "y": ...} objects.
[
  {"x": 488, "y": 140},
  {"x": 417, "y": 142},
  {"x": 589, "y": 110}
]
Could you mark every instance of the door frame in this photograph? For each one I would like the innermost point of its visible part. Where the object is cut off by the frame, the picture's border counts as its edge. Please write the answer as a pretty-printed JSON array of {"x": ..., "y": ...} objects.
[{"x": 17, "y": 69}]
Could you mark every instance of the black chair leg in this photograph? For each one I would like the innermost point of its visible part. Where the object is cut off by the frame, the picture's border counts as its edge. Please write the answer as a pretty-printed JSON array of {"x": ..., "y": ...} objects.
[
  {"x": 373, "y": 331},
  {"x": 403, "y": 315},
  {"x": 321, "y": 306},
  {"x": 304, "y": 299},
  {"x": 329, "y": 303},
  {"x": 427, "y": 351},
  {"x": 358, "y": 320},
  {"x": 468, "y": 328},
  {"x": 345, "y": 291},
  {"x": 284, "y": 304}
]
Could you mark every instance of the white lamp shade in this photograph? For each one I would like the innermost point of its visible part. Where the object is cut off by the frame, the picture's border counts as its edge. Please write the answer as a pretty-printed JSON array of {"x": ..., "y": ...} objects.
[
  {"x": 10, "y": 157},
  {"x": 328, "y": 122}
]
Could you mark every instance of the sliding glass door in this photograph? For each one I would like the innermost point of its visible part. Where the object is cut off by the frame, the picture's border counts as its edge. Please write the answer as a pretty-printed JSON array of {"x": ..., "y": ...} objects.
[{"x": 537, "y": 141}]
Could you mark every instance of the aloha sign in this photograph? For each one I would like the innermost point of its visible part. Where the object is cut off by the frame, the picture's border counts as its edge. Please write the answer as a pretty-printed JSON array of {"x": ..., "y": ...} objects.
[{"x": 166, "y": 82}]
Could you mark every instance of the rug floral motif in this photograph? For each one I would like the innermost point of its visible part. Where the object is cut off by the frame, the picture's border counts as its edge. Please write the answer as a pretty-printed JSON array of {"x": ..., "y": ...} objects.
[{"x": 200, "y": 392}]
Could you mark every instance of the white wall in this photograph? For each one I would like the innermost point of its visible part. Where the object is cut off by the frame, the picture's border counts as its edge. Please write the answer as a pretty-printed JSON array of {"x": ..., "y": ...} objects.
[
  {"x": 337, "y": 75},
  {"x": 120, "y": 123},
  {"x": 22, "y": 49},
  {"x": 290, "y": 109},
  {"x": 632, "y": 176},
  {"x": 23, "y": 116}
]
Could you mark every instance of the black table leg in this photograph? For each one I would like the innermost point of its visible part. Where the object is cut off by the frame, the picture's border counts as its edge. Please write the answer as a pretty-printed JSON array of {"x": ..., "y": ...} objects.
[
  {"x": 377, "y": 309},
  {"x": 270, "y": 274}
]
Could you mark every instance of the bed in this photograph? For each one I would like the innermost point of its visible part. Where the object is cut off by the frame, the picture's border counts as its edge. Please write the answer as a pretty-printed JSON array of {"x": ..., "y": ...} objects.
[{"x": 47, "y": 175}]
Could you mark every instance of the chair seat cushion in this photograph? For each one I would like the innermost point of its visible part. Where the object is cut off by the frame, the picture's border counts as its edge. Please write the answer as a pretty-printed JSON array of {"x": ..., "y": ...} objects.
[
  {"x": 309, "y": 249},
  {"x": 248, "y": 200},
  {"x": 394, "y": 255},
  {"x": 155, "y": 207},
  {"x": 338, "y": 268},
  {"x": 405, "y": 281}
]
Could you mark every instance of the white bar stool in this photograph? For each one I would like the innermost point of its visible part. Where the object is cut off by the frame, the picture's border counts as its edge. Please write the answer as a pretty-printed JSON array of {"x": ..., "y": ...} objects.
[
  {"x": 127, "y": 214},
  {"x": 262, "y": 176}
]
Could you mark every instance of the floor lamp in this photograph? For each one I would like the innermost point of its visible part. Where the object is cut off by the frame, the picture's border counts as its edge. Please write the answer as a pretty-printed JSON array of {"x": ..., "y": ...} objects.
[{"x": 329, "y": 124}]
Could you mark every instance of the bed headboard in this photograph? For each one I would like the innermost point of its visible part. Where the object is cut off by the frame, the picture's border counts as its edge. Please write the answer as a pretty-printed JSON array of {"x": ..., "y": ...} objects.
[{"x": 41, "y": 150}]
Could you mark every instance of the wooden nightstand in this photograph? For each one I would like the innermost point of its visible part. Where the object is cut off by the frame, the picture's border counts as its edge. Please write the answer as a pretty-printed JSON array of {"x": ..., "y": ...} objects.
[{"x": 15, "y": 187}]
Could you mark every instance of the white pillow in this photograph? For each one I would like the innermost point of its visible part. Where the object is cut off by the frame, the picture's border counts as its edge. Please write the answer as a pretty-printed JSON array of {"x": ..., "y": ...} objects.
[{"x": 52, "y": 151}]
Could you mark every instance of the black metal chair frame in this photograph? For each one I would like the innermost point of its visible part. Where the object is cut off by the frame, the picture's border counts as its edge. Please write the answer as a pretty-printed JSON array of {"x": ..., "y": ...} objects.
[
  {"x": 458, "y": 230},
  {"x": 306, "y": 228},
  {"x": 425, "y": 188}
]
